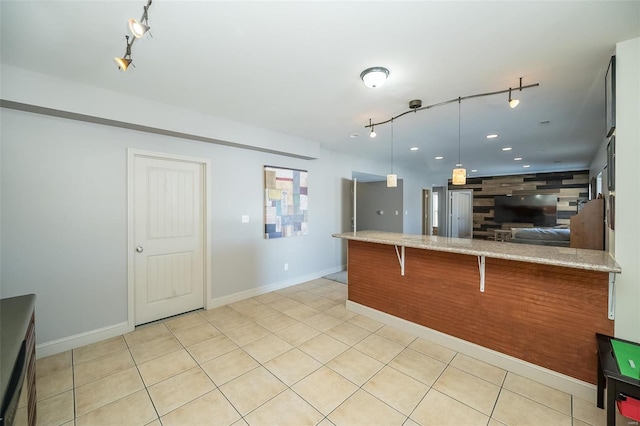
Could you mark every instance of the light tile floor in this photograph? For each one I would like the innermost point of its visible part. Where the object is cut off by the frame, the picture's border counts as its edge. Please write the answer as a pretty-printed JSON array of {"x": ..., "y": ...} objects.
[{"x": 291, "y": 357}]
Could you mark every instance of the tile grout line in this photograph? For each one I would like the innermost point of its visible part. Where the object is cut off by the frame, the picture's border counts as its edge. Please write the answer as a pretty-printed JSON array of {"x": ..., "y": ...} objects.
[{"x": 323, "y": 364}]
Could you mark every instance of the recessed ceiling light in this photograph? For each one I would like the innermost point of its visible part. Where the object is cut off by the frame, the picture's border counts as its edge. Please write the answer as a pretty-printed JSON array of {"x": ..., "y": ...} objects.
[
  {"x": 474, "y": 170},
  {"x": 517, "y": 159},
  {"x": 354, "y": 135},
  {"x": 526, "y": 166},
  {"x": 459, "y": 165},
  {"x": 506, "y": 148},
  {"x": 492, "y": 136},
  {"x": 439, "y": 158},
  {"x": 414, "y": 148}
]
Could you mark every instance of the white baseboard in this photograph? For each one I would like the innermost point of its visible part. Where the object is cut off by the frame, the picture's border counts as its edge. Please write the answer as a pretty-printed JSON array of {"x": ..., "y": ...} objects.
[
  {"x": 86, "y": 338},
  {"x": 526, "y": 369},
  {"x": 247, "y": 294},
  {"x": 93, "y": 336}
]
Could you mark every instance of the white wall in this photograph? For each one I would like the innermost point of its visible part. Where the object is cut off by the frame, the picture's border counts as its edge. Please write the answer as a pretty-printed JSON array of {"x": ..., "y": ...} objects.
[
  {"x": 627, "y": 235},
  {"x": 64, "y": 214}
]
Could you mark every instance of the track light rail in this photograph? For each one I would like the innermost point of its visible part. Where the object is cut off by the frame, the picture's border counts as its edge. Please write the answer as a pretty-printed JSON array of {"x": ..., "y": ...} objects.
[{"x": 459, "y": 99}]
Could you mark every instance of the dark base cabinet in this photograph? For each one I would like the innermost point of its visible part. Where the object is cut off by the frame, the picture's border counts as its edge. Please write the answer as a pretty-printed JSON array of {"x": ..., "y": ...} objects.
[{"x": 18, "y": 355}]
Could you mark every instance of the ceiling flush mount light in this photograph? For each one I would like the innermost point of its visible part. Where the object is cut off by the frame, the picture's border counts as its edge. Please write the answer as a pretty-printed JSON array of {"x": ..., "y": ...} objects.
[
  {"x": 507, "y": 148},
  {"x": 517, "y": 159},
  {"x": 414, "y": 148},
  {"x": 439, "y": 157},
  {"x": 138, "y": 29},
  {"x": 492, "y": 136},
  {"x": 526, "y": 166},
  {"x": 374, "y": 77},
  {"x": 125, "y": 61},
  {"x": 459, "y": 175},
  {"x": 512, "y": 101}
]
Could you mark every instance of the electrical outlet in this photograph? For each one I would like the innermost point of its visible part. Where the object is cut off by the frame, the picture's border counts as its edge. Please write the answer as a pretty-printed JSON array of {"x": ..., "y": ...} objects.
[
  {"x": 286, "y": 266},
  {"x": 245, "y": 218}
]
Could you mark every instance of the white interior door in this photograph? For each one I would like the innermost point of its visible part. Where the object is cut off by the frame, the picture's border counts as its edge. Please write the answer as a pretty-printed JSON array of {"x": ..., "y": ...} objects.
[
  {"x": 461, "y": 213},
  {"x": 168, "y": 238}
]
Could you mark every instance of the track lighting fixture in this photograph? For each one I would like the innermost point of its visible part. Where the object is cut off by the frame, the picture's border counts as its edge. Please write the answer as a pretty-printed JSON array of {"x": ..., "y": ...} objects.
[
  {"x": 138, "y": 29},
  {"x": 125, "y": 61},
  {"x": 414, "y": 108},
  {"x": 373, "y": 134},
  {"x": 374, "y": 77},
  {"x": 512, "y": 101}
]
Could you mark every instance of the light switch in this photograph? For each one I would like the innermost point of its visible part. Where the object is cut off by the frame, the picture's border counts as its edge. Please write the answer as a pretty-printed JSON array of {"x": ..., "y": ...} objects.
[{"x": 245, "y": 218}]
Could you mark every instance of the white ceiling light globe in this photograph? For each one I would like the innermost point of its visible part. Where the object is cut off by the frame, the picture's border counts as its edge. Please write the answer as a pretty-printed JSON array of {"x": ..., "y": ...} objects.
[{"x": 374, "y": 77}]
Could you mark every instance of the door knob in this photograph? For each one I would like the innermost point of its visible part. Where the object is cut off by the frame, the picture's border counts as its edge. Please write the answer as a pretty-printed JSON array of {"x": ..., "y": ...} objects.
[{"x": 139, "y": 249}]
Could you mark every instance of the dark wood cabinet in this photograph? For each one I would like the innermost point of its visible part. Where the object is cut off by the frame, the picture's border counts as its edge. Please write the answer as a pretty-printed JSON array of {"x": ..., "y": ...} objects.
[{"x": 18, "y": 353}]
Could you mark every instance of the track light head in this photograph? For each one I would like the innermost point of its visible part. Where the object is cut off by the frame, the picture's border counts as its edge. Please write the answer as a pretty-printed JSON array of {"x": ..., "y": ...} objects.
[
  {"x": 373, "y": 134},
  {"x": 513, "y": 102},
  {"x": 138, "y": 29},
  {"x": 125, "y": 61}
]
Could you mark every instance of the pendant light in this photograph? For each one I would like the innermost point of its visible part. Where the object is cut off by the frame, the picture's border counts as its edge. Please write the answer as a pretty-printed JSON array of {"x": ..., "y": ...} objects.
[
  {"x": 392, "y": 179},
  {"x": 459, "y": 176}
]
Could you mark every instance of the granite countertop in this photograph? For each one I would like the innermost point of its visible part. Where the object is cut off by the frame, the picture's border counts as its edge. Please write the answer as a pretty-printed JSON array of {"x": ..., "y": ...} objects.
[{"x": 592, "y": 260}]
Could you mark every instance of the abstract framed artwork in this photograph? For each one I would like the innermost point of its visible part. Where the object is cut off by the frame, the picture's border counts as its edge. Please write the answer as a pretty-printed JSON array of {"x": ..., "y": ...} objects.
[
  {"x": 286, "y": 201},
  {"x": 610, "y": 97}
]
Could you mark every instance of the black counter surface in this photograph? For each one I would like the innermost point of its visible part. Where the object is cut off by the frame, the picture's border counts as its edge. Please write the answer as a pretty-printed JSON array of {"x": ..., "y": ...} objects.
[{"x": 15, "y": 314}]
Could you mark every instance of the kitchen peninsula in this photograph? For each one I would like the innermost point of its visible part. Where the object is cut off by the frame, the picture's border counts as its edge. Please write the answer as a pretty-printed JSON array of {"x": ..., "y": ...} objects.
[{"x": 539, "y": 304}]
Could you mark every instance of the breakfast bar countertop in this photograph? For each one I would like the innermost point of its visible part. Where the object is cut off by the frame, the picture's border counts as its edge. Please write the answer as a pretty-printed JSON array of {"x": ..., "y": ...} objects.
[{"x": 592, "y": 260}]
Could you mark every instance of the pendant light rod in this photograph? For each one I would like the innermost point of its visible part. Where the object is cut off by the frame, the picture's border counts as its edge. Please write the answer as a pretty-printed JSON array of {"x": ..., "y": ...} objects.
[
  {"x": 391, "y": 146},
  {"x": 459, "y": 133},
  {"x": 458, "y": 99}
]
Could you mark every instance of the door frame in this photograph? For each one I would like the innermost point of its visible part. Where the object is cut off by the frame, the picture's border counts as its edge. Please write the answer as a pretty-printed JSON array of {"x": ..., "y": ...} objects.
[
  {"x": 451, "y": 193},
  {"x": 427, "y": 210},
  {"x": 205, "y": 163}
]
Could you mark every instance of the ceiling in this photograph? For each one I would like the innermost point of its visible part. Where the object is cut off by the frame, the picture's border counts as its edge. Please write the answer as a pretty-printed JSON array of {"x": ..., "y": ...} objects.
[{"x": 294, "y": 67}]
